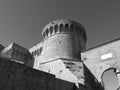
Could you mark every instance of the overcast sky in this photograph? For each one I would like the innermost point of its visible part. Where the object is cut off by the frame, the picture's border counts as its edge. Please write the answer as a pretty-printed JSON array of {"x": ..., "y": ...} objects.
[{"x": 22, "y": 21}]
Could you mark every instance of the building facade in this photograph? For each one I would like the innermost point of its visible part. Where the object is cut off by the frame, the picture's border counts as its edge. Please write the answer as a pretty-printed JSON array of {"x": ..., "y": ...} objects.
[{"x": 62, "y": 53}]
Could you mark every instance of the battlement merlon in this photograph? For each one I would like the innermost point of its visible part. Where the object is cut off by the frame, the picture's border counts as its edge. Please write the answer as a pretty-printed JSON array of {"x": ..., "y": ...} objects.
[
  {"x": 62, "y": 39},
  {"x": 64, "y": 26}
]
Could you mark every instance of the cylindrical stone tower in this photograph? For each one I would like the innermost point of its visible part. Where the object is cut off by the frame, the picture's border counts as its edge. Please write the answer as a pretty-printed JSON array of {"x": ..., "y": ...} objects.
[{"x": 63, "y": 39}]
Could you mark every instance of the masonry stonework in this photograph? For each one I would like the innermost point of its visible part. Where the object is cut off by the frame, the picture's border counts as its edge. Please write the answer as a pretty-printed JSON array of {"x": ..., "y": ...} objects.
[
  {"x": 59, "y": 62},
  {"x": 103, "y": 57},
  {"x": 63, "y": 41}
]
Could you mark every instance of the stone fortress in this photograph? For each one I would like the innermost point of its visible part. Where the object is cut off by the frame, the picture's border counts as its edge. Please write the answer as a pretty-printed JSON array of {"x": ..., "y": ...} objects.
[{"x": 63, "y": 59}]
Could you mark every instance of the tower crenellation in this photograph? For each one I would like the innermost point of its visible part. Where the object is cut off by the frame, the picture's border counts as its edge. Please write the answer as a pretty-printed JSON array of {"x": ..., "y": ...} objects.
[
  {"x": 63, "y": 26},
  {"x": 63, "y": 53},
  {"x": 63, "y": 39}
]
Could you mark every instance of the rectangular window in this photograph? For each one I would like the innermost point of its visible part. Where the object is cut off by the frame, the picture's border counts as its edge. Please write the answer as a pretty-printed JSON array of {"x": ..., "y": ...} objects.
[{"x": 106, "y": 56}]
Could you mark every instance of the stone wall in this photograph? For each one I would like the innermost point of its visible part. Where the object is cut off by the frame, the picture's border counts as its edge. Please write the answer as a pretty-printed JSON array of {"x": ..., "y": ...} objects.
[
  {"x": 61, "y": 39},
  {"x": 64, "y": 85},
  {"x": 102, "y": 57},
  {"x": 18, "y": 53},
  {"x": 16, "y": 76}
]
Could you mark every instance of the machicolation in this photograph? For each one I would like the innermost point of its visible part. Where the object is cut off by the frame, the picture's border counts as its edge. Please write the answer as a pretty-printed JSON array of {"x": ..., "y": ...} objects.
[{"x": 64, "y": 26}]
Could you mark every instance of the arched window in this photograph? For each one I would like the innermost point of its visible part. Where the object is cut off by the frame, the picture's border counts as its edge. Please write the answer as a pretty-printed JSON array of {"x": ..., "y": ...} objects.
[
  {"x": 51, "y": 30},
  {"x": 109, "y": 79},
  {"x": 40, "y": 50},
  {"x": 47, "y": 32},
  {"x": 56, "y": 28},
  {"x": 71, "y": 28},
  {"x": 67, "y": 27},
  {"x": 35, "y": 52},
  {"x": 61, "y": 27},
  {"x": 84, "y": 36}
]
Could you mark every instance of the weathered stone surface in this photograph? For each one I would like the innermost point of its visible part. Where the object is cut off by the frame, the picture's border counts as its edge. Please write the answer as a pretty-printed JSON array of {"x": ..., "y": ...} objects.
[
  {"x": 15, "y": 76},
  {"x": 103, "y": 57},
  {"x": 60, "y": 70},
  {"x": 91, "y": 82},
  {"x": 64, "y": 85},
  {"x": 18, "y": 53},
  {"x": 72, "y": 71},
  {"x": 63, "y": 41}
]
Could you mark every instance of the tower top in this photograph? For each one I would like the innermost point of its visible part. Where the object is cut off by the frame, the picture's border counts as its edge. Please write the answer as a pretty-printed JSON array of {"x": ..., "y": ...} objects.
[{"x": 63, "y": 26}]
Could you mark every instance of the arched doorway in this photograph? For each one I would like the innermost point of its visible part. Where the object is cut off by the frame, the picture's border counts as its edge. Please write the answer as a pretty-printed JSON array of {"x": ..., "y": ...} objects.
[{"x": 110, "y": 78}]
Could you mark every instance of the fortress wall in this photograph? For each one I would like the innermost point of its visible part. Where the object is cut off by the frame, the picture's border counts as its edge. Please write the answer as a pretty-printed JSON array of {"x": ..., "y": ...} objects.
[
  {"x": 16, "y": 76},
  {"x": 61, "y": 46},
  {"x": 62, "y": 39},
  {"x": 102, "y": 57}
]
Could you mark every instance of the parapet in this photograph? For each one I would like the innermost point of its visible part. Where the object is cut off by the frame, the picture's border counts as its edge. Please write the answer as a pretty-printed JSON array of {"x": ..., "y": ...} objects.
[
  {"x": 63, "y": 26},
  {"x": 18, "y": 53}
]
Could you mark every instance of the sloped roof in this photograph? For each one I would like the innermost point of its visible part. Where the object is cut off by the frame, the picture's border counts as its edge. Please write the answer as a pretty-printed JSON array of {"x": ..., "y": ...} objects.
[{"x": 14, "y": 45}]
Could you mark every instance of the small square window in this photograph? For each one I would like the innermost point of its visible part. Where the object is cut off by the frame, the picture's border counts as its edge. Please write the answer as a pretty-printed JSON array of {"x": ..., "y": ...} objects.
[{"x": 106, "y": 56}]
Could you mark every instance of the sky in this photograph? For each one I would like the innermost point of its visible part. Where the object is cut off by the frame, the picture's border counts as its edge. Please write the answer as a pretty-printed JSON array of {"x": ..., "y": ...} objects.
[{"x": 22, "y": 21}]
